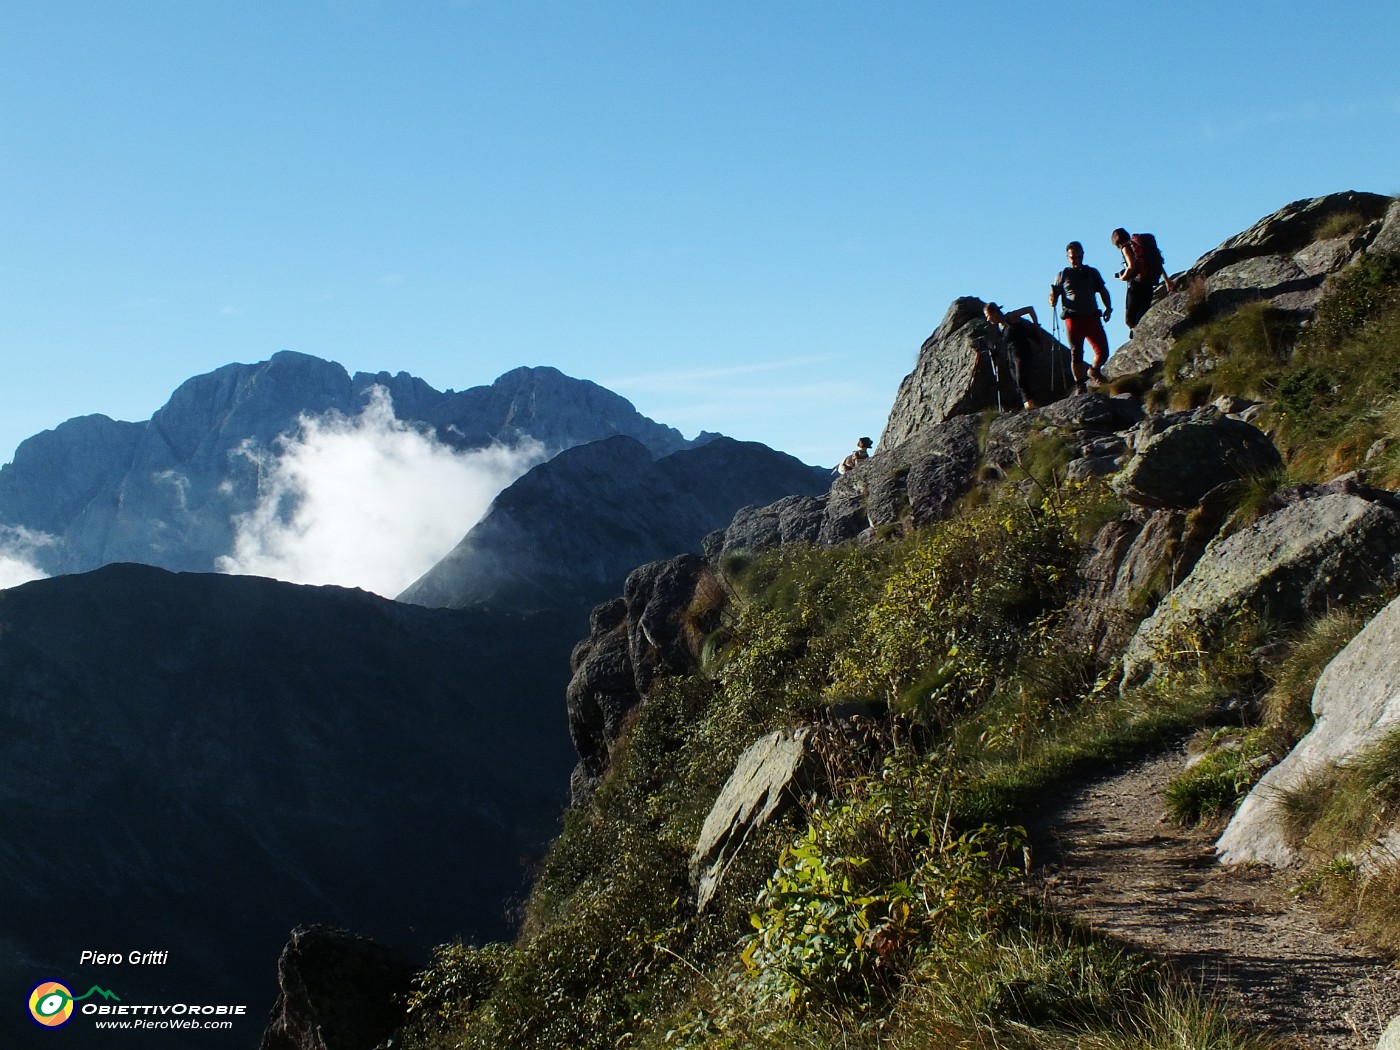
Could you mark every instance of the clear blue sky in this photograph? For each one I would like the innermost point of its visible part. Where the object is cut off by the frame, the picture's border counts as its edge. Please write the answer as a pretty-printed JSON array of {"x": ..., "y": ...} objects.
[{"x": 744, "y": 216}]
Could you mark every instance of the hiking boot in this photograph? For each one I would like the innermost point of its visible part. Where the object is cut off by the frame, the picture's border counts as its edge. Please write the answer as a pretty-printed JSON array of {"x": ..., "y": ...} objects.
[
  {"x": 1081, "y": 388},
  {"x": 1031, "y": 404},
  {"x": 1095, "y": 374}
]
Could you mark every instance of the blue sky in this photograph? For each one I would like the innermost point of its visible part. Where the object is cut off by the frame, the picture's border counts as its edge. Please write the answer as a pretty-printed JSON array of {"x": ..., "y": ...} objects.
[{"x": 744, "y": 216}]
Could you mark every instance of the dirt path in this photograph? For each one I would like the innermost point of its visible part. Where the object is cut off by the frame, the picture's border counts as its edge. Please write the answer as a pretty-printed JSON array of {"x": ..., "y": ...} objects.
[{"x": 1108, "y": 857}]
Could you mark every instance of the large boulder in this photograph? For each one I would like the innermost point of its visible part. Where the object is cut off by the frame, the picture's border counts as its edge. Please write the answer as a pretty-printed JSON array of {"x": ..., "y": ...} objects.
[
  {"x": 337, "y": 991},
  {"x": 911, "y": 484},
  {"x": 1388, "y": 239},
  {"x": 773, "y": 772},
  {"x": 963, "y": 368},
  {"x": 1179, "y": 459},
  {"x": 1355, "y": 704},
  {"x": 1293, "y": 563},
  {"x": 1390, "y": 1038},
  {"x": 1283, "y": 259},
  {"x": 792, "y": 519}
]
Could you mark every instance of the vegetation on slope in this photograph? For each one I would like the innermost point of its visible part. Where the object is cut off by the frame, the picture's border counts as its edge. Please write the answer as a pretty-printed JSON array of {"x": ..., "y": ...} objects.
[
  {"x": 1329, "y": 390},
  {"x": 890, "y": 909}
]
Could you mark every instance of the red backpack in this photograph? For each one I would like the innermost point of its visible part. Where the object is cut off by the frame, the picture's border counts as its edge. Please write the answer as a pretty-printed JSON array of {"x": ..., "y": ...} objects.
[{"x": 1149, "y": 257}]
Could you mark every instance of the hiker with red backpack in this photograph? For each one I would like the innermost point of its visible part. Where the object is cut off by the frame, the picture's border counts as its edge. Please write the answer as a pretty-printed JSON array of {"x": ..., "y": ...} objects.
[
  {"x": 1143, "y": 267},
  {"x": 1078, "y": 288}
]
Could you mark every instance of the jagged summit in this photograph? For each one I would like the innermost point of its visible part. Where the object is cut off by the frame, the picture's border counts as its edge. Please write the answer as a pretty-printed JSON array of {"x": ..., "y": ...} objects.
[{"x": 166, "y": 491}]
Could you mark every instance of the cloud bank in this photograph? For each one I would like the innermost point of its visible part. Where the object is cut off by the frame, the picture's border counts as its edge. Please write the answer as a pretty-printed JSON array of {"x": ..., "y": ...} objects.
[
  {"x": 17, "y": 547},
  {"x": 366, "y": 501}
]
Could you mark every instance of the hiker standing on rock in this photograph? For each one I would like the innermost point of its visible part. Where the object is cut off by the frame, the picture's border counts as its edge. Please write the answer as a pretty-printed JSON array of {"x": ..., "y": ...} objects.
[
  {"x": 1076, "y": 288},
  {"x": 1024, "y": 338},
  {"x": 856, "y": 458},
  {"x": 1143, "y": 267}
]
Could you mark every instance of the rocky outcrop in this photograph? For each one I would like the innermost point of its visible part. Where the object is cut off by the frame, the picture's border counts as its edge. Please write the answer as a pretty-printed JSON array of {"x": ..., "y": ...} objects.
[
  {"x": 962, "y": 369},
  {"x": 1283, "y": 260},
  {"x": 651, "y": 630},
  {"x": 773, "y": 772},
  {"x": 916, "y": 482},
  {"x": 1090, "y": 425},
  {"x": 793, "y": 519},
  {"x": 337, "y": 991},
  {"x": 166, "y": 492},
  {"x": 566, "y": 534},
  {"x": 1324, "y": 548},
  {"x": 1355, "y": 704},
  {"x": 1128, "y": 566},
  {"x": 1179, "y": 459},
  {"x": 1388, "y": 238}
]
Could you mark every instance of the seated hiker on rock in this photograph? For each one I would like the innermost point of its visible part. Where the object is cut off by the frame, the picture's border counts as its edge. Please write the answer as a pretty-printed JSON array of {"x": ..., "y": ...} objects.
[
  {"x": 1076, "y": 288},
  {"x": 1143, "y": 267},
  {"x": 860, "y": 455},
  {"x": 1024, "y": 338}
]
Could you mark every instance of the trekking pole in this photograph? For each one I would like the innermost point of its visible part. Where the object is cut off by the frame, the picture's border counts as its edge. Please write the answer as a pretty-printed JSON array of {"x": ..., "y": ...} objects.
[
  {"x": 996, "y": 377},
  {"x": 1056, "y": 368}
]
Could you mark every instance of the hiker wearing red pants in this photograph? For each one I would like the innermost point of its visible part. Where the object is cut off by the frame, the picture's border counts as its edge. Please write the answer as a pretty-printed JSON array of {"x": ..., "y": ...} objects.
[{"x": 1076, "y": 289}]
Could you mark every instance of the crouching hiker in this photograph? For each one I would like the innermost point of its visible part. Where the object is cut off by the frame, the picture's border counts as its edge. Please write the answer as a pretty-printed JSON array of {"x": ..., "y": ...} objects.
[
  {"x": 1024, "y": 338},
  {"x": 856, "y": 458},
  {"x": 1143, "y": 267}
]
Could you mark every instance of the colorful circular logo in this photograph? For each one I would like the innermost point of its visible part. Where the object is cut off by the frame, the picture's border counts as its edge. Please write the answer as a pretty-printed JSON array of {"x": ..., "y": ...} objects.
[{"x": 50, "y": 1004}]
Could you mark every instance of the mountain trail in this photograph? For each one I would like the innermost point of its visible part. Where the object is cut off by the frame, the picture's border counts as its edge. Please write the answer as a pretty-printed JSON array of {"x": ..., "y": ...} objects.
[{"x": 1110, "y": 857}]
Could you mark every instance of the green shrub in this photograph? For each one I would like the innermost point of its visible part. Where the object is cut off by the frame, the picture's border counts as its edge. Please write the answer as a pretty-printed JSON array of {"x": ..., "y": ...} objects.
[
  {"x": 1361, "y": 292},
  {"x": 877, "y": 876},
  {"x": 459, "y": 979}
]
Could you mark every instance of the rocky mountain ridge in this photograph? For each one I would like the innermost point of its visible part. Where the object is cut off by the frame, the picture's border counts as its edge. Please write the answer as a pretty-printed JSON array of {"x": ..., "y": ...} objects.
[
  {"x": 1189, "y": 556},
  {"x": 167, "y": 492}
]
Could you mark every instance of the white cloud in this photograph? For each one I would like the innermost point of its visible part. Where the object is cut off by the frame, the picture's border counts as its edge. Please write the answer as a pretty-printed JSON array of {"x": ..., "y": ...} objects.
[
  {"x": 17, "y": 547},
  {"x": 367, "y": 501}
]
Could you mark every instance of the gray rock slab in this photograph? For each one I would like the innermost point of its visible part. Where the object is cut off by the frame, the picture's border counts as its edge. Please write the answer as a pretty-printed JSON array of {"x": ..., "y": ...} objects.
[
  {"x": 1355, "y": 704},
  {"x": 770, "y": 774},
  {"x": 1293, "y": 563},
  {"x": 1176, "y": 466}
]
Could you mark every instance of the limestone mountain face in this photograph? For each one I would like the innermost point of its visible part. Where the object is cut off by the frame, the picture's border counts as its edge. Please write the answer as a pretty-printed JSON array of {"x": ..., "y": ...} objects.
[
  {"x": 166, "y": 492},
  {"x": 1284, "y": 259},
  {"x": 199, "y": 763},
  {"x": 567, "y": 533}
]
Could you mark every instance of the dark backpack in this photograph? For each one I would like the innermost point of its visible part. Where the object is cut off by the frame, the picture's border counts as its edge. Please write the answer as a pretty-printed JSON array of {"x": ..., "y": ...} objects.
[{"x": 1149, "y": 257}]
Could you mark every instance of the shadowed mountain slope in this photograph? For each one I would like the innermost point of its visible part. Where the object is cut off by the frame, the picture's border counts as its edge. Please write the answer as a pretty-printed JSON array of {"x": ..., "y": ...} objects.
[
  {"x": 567, "y": 533},
  {"x": 198, "y": 763}
]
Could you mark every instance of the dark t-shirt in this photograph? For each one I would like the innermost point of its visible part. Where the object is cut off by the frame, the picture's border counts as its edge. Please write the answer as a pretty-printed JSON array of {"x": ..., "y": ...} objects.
[
  {"x": 1078, "y": 285},
  {"x": 1021, "y": 336}
]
